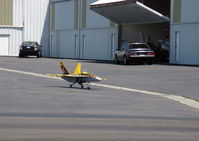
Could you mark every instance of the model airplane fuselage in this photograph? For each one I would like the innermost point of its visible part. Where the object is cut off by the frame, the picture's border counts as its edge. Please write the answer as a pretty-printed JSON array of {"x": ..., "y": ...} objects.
[{"x": 77, "y": 76}]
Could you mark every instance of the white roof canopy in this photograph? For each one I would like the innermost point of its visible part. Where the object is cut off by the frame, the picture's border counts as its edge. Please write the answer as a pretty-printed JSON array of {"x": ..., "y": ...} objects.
[
  {"x": 106, "y": 2},
  {"x": 127, "y": 12}
]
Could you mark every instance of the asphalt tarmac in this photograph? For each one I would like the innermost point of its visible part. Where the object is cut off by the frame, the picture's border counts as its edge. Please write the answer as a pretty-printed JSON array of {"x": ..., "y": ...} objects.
[{"x": 34, "y": 108}]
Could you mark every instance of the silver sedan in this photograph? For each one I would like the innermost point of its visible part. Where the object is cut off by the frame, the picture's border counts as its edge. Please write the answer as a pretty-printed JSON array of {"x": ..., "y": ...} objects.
[{"x": 134, "y": 52}]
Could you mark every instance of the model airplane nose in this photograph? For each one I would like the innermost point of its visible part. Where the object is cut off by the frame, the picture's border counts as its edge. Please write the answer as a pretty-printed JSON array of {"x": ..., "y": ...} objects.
[{"x": 98, "y": 78}]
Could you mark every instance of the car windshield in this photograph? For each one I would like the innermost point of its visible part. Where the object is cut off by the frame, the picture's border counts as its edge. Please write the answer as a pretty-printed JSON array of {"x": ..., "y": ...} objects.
[
  {"x": 28, "y": 43},
  {"x": 134, "y": 46}
]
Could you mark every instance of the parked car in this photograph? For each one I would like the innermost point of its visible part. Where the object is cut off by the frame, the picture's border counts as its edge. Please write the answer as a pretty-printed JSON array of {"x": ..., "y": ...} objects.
[
  {"x": 30, "y": 48},
  {"x": 135, "y": 52}
]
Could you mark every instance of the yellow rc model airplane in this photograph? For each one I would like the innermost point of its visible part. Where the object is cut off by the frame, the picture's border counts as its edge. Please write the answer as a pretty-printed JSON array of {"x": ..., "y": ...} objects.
[{"x": 77, "y": 76}]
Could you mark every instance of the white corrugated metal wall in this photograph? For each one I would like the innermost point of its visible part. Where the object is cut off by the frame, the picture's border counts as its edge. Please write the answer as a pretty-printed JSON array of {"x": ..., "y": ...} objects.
[
  {"x": 36, "y": 22},
  {"x": 33, "y": 15},
  {"x": 18, "y": 12},
  {"x": 30, "y": 23}
]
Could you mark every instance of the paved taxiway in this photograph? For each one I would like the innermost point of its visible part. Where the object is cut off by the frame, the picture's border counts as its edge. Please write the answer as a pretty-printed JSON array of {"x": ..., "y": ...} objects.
[{"x": 36, "y": 108}]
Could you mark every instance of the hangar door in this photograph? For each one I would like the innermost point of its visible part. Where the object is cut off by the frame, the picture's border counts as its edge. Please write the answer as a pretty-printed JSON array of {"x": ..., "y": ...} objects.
[{"x": 4, "y": 48}]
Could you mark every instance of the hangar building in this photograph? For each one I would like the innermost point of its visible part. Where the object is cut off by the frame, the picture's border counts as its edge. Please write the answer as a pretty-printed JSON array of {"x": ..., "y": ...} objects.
[{"x": 94, "y": 29}]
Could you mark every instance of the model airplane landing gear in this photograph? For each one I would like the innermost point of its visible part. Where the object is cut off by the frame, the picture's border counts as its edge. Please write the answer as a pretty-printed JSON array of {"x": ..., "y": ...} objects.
[
  {"x": 82, "y": 86},
  {"x": 71, "y": 85},
  {"x": 88, "y": 86}
]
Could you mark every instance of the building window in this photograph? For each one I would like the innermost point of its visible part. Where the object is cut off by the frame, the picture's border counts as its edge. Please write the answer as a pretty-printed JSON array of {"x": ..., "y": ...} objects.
[
  {"x": 83, "y": 13},
  {"x": 6, "y": 12},
  {"x": 75, "y": 13},
  {"x": 52, "y": 15},
  {"x": 176, "y": 11}
]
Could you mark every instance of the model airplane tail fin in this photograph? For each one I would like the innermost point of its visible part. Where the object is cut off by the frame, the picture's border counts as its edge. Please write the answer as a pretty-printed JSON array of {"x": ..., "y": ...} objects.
[
  {"x": 63, "y": 68},
  {"x": 77, "y": 69}
]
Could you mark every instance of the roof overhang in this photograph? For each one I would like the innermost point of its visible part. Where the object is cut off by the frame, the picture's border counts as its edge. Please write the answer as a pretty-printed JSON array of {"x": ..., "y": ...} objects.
[{"x": 127, "y": 12}]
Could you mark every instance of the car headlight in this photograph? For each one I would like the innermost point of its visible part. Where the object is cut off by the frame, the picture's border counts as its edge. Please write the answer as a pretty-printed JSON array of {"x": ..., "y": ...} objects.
[{"x": 36, "y": 48}]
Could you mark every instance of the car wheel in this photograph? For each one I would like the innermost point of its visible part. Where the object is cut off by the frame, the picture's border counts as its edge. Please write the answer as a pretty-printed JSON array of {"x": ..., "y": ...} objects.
[
  {"x": 38, "y": 54},
  {"x": 116, "y": 60},
  {"x": 150, "y": 62},
  {"x": 125, "y": 61},
  {"x": 21, "y": 55}
]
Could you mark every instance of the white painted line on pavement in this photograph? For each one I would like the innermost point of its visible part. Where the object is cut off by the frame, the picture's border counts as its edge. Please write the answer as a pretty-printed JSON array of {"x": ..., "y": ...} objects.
[
  {"x": 181, "y": 99},
  {"x": 177, "y": 98}
]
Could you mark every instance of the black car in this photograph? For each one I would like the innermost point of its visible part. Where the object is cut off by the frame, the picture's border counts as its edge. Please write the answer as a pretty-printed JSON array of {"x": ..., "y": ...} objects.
[
  {"x": 135, "y": 52},
  {"x": 30, "y": 48}
]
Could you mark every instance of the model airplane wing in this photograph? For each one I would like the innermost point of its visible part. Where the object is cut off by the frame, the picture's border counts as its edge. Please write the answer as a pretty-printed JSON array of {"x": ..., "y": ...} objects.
[
  {"x": 68, "y": 75},
  {"x": 57, "y": 75}
]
